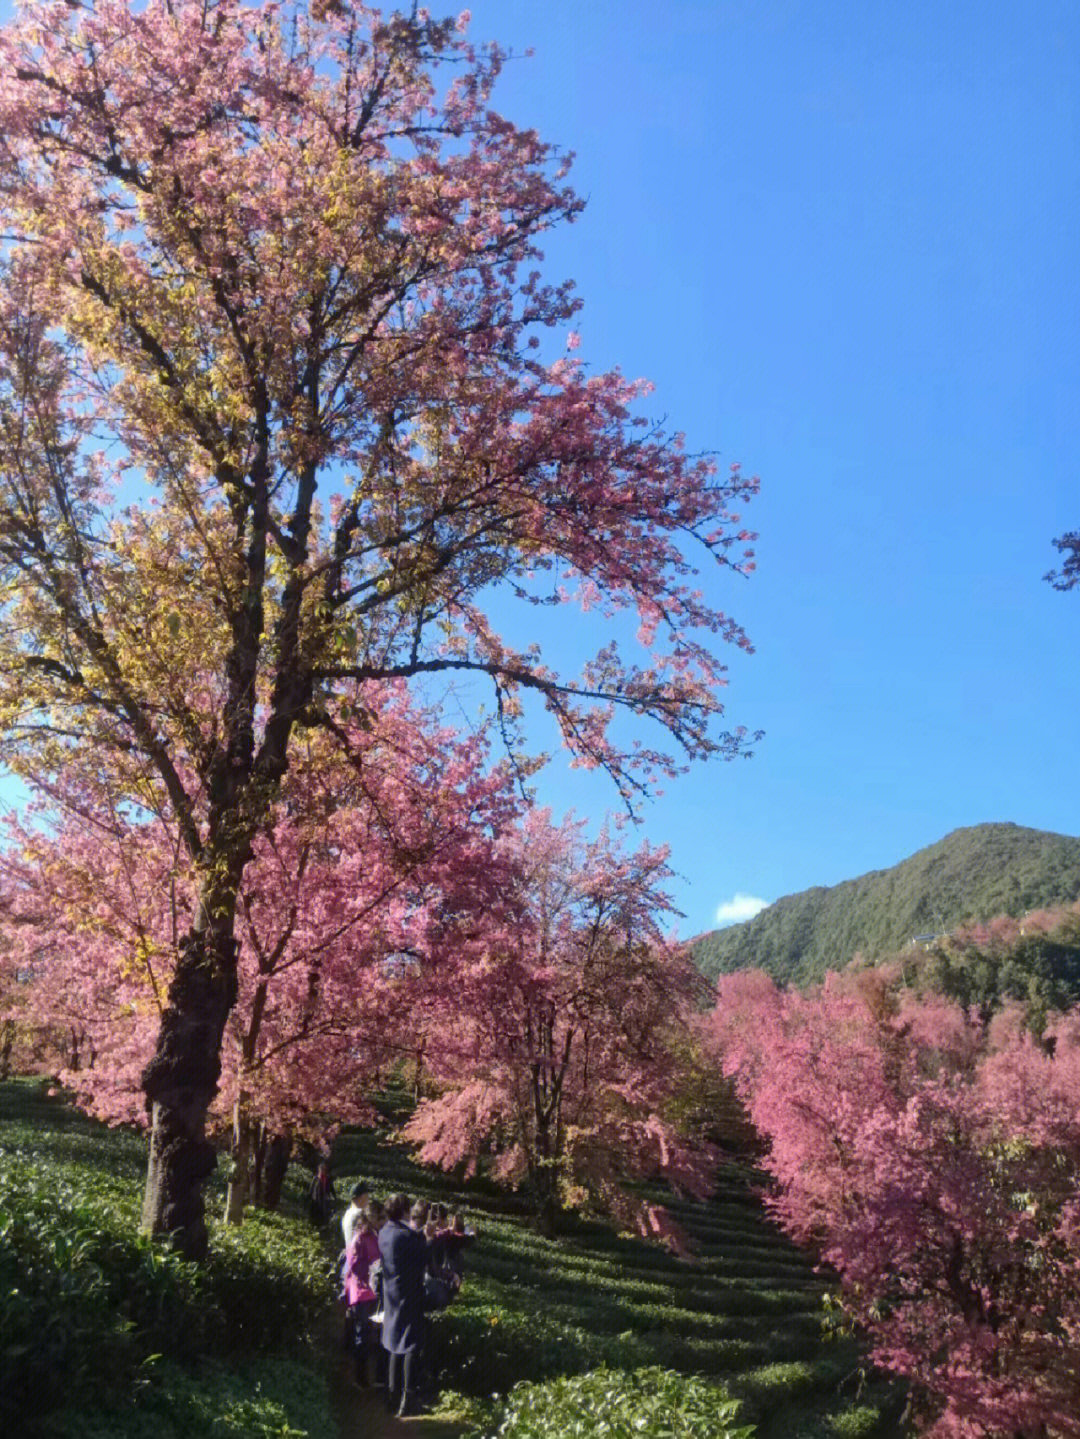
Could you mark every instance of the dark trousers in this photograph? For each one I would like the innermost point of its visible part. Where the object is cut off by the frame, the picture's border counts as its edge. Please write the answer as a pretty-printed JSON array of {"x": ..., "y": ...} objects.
[
  {"x": 364, "y": 1340},
  {"x": 403, "y": 1374}
]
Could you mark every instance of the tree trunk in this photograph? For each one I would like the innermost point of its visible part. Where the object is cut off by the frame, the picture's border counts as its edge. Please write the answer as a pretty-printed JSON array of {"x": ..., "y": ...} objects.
[
  {"x": 545, "y": 1179},
  {"x": 243, "y": 1148},
  {"x": 258, "y": 1163},
  {"x": 7, "y": 1029},
  {"x": 278, "y": 1150},
  {"x": 544, "y": 1165},
  {"x": 180, "y": 1082},
  {"x": 546, "y": 1198}
]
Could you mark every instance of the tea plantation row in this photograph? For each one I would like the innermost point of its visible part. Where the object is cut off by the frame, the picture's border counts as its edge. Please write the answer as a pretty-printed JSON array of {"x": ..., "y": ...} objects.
[
  {"x": 747, "y": 1313},
  {"x": 103, "y": 1335}
]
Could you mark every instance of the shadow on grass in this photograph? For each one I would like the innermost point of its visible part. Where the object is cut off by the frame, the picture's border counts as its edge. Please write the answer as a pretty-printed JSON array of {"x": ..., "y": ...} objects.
[{"x": 747, "y": 1309}]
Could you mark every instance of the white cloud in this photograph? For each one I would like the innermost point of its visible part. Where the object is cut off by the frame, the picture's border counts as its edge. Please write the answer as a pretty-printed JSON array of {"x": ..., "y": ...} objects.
[{"x": 739, "y": 908}]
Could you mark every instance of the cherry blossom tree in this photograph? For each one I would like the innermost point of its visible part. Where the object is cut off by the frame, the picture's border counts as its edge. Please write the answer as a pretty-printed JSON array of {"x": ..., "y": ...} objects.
[
  {"x": 386, "y": 856},
  {"x": 561, "y": 1065},
  {"x": 26, "y": 1045},
  {"x": 935, "y": 1162},
  {"x": 274, "y": 408}
]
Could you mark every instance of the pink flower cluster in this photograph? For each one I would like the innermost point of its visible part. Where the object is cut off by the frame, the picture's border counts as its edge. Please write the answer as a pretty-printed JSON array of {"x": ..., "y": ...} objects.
[{"x": 935, "y": 1163}]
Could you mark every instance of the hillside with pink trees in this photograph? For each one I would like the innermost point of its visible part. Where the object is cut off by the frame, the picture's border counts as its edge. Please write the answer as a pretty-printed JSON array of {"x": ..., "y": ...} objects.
[{"x": 931, "y": 1157}]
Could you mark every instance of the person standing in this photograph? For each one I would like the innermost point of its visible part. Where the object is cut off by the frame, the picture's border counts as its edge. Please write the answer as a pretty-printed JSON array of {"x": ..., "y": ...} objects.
[
  {"x": 360, "y": 1301},
  {"x": 456, "y": 1240},
  {"x": 359, "y": 1199},
  {"x": 404, "y": 1259},
  {"x": 321, "y": 1196}
]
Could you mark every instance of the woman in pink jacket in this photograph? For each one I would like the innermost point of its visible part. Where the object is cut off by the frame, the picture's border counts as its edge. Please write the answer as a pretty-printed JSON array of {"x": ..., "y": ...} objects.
[{"x": 360, "y": 1296}]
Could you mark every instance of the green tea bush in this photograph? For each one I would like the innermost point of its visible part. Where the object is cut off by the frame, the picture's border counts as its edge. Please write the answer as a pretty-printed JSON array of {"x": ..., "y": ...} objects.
[
  {"x": 87, "y": 1297},
  {"x": 858, "y": 1422},
  {"x": 282, "y": 1400},
  {"x": 486, "y": 1347},
  {"x": 83, "y": 1297},
  {"x": 648, "y": 1403},
  {"x": 90, "y": 1311},
  {"x": 265, "y": 1283}
]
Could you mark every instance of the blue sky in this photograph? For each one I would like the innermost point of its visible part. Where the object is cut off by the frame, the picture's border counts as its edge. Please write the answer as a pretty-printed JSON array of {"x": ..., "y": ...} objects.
[{"x": 841, "y": 238}]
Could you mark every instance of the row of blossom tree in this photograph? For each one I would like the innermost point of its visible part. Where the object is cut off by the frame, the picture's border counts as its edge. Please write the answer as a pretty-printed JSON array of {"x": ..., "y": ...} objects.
[
  {"x": 405, "y": 909},
  {"x": 286, "y": 411},
  {"x": 408, "y": 909},
  {"x": 931, "y": 1154}
]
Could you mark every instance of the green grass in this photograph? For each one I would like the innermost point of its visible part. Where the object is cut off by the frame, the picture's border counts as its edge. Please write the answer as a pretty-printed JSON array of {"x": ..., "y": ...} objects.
[
  {"x": 104, "y": 1335},
  {"x": 746, "y": 1313}
]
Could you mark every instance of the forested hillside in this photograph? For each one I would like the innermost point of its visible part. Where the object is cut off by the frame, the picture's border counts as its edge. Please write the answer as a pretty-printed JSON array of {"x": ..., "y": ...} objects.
[{"x": 971, "y": 874}]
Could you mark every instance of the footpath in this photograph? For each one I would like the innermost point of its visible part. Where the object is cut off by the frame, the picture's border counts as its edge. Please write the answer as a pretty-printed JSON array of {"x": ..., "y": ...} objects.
[{"x": 361, "y": 1413}]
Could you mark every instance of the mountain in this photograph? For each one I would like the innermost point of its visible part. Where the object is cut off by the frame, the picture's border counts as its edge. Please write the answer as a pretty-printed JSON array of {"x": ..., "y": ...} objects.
[{"x": 971, "y": 874}]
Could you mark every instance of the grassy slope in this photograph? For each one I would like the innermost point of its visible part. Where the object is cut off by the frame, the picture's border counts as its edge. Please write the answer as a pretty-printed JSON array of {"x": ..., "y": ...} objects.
[
  {"x": 103, "y": 1336},
  {"x": 747, "y": 1313},
  {"x": 973, "y": 873}
]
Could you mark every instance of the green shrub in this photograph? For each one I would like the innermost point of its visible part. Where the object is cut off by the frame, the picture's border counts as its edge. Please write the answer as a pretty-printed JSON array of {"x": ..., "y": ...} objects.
[
  {"x": 641, "y": 1404},
  {"x": 85, "y": 1300},
  {"x": 266, "y": 1283},
  {"x": 856, "y": 1423},
  {"x": 486, "y": 1347},
  {"x": 282, "y": 1400}
]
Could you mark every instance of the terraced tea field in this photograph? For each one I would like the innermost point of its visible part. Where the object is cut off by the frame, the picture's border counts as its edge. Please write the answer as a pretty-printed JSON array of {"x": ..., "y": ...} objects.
[
  {"x": 747, "y": 1312},
  {"x": 248, "y": 1338}
]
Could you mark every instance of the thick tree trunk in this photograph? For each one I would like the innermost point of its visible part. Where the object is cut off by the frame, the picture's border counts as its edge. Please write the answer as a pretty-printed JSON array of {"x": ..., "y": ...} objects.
[
  {"x": 278, "y": 1150},
  {"x": 180, "y": 1082}
]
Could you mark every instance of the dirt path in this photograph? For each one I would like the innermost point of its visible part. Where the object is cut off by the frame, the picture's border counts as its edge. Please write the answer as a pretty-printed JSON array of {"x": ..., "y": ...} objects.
[{"x": 361, "y": 1413}]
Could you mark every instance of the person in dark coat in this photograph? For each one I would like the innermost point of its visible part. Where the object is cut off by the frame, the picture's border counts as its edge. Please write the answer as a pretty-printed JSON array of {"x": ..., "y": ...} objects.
[
  {"x": 456, "y": 1240},
  {"x": 321, "y": 1196},
  {"x": 404, "y": 1330}
]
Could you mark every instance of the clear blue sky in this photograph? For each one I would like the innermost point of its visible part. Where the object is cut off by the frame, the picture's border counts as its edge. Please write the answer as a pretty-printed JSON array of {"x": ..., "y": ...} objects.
[{"x": 842, "y": 240}]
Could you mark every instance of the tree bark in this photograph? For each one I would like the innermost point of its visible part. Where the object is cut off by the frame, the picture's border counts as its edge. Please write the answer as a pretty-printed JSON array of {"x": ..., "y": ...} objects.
[
  {"x": 546, "y": 1196},
  {"x": 243, "y": 1150},
  {"x": 258, "y": 1163},
  {"x": 278, "y": 1150},
  {"x": 180, "y": 1083},
  {"x": 545, "y": 1178}
]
